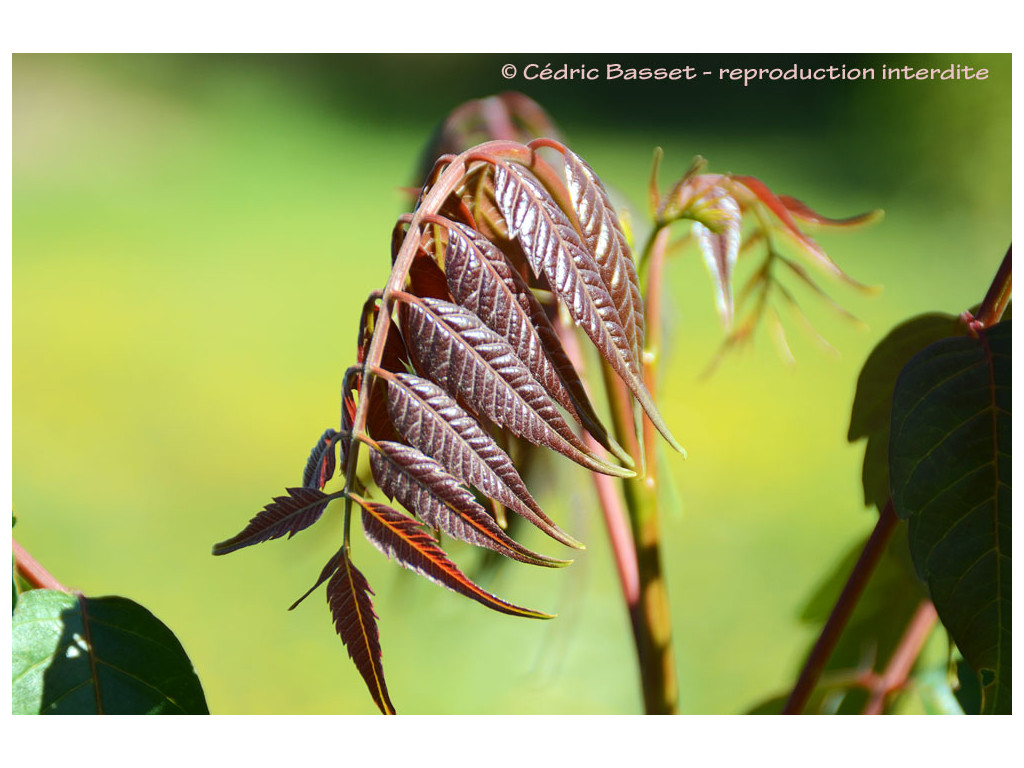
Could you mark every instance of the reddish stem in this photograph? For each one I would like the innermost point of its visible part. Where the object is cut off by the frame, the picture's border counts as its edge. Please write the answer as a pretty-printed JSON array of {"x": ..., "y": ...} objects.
[
  {"x": 634, "y": 545},
  {"x": 842, "y": 611},
  {"x": 649, "y": 612},
  {"x": 616, "y": 518},
  {"x": 903, "y": 658},
  {"x": 31, "y": 571},
  {"x": 617, "y": 524},
  {"x": 999, "y": 293}
]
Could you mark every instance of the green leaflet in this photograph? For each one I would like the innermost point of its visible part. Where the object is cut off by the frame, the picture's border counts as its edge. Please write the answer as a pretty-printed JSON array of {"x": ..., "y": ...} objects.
[
  {"x": 75, "y": 655},
  {"x": 872, "y": 405},
  {"x": 949, "y": 464}
]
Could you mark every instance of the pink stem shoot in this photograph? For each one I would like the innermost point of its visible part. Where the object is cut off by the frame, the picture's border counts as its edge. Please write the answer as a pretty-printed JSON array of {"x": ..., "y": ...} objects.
[
  {"x": 903, "y": 658},
  {"x": 31, "y": 571}
]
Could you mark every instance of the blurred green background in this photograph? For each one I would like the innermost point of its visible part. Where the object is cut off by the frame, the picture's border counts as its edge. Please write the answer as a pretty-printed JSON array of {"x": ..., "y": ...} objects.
[{"x": 193, "y": 239}]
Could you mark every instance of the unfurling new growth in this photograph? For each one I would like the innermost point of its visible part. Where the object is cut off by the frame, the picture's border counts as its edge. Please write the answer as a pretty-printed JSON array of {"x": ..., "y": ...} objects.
[
  {"x": 461, "y": 364},
  {"x": 458, "y": 355}
]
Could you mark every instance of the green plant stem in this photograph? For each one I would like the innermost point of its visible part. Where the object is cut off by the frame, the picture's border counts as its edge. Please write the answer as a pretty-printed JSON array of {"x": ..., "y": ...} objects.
[
  {"x": 647, "y": 597},
  {"x": 32, "y": 572},
  {"x": 661, "y": 693},
  {"x": 637, "y": 564},
  {"x": 902, "y": 661},
  {"x": 841, "y": 612},
  {"x": 650, "y": 614}
]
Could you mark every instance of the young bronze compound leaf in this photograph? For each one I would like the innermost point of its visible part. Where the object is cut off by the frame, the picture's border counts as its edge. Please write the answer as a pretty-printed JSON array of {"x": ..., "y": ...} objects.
[
  {"x": 435, "y": 424},
  {"x": 556, "y": 250},
  {"x": 458, "y": 354},
  {"x": 320, "y": 464},
  {"x": 607, "y": 242},
  {"x": 481, "y": 279},
  {"x": 348, "y": 595},
  {"x": 401, "y": 537},
  {"x": 421, "y": 483},
  {"x": 453, "y": 347},
  {"x": 287, "y": 515}
]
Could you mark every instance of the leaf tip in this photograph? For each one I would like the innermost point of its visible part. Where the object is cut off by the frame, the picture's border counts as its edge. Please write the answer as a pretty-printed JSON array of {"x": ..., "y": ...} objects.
[
  {"x": 671, "y": 440},
  {"x": 223, "y": 547},
  {"x": 623, "y": 472}
]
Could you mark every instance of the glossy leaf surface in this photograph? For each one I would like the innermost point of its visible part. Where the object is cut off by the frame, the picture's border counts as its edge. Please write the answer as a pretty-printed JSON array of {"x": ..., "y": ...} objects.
[
  {"x": 452, "y": 347},
  {"x": 438, "y": 426},
  {"x": 402, "y": 538},
  {"x": 348, "y": 595},
  {"x": 459, "y": 364},
  {"x": 949, "y": 463},
  {"x": 556, "y": 252},
  {"x": 108, "y": 655},
  {"x": 423, "y": 486},
  {"x": 720, "y": 246},
  {"x": 285, "y": 516},
  {"x": 321, "y": 462},
  {"x": 481, "y": 279},
  {"x": 603, "y": 236}
]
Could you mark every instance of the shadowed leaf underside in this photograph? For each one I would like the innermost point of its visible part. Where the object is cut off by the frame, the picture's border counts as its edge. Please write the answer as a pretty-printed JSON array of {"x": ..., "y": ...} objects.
[{"x": 402, "y": 538}]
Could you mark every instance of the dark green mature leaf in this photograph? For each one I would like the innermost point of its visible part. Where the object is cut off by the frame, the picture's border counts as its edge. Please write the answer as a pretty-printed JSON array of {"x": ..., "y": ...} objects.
[
  {"x": 968, "y": 692},
  {"x": 872, "y": 404},
  {"x": 949, "y": 463},
  {"x": 75, "y": 655}
]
